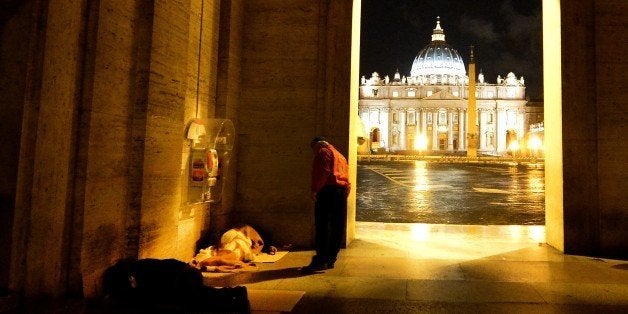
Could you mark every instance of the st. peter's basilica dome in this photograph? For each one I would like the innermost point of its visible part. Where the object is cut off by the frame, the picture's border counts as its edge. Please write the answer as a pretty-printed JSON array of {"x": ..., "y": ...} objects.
[{"x": 438, "y": 62}]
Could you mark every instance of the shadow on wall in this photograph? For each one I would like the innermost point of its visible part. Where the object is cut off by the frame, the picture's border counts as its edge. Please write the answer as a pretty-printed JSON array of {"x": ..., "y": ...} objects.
[{"x": 6, "y": 227}]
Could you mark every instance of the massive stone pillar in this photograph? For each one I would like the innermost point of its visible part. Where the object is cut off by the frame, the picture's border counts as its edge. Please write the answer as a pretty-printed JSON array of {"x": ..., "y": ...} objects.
[
  {"x": 17, "y": 22},
  {"x": 47, "y": 175},
  {"x": 227, "y": 99},
  {"x": 104, "y": 161},
  {"x": 584, "y": 149}
]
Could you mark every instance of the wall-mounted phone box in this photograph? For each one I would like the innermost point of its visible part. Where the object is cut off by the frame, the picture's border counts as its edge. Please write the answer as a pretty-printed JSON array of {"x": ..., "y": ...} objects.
[{"x": 210, "y": 151}]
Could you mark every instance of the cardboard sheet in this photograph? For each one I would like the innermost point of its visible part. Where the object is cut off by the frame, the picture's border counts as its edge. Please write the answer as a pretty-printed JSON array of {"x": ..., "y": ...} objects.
[{"x": 267, "y": 258}]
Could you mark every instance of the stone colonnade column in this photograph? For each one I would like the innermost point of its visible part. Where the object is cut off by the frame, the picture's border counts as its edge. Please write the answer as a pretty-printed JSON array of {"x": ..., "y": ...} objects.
[
  {"x": 383, "y": 127},
  {"x": 402, "y": 128},
  {"x": 435, "y": 129},
  {"x": 450, "y": 130},
  {"x": 461, "y": 129},
  {"x": 481, "y": 140}
]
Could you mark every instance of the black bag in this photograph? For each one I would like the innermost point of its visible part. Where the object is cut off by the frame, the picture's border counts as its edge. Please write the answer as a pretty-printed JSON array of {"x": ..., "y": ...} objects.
[
  {"x": 222, "y": 300},
  {"x": 170, "y": 285}
]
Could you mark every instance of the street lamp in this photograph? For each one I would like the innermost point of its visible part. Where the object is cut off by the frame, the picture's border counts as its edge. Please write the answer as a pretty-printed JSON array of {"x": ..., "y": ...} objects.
[
  {"x": 534, "y": 144},
  {"x": 421, "y": 143}
]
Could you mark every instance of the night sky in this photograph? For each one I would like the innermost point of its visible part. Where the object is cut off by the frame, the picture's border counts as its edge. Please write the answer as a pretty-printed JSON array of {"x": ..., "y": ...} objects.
[{"x": 506, "y": 35}]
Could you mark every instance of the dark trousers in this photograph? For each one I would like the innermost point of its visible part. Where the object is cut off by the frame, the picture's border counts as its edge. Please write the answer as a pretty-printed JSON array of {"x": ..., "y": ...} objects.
[{"x": 330, "y": 213}]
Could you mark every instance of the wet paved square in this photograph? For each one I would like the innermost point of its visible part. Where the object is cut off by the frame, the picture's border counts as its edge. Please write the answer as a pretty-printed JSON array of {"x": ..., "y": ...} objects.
[{"x": 450, "y": 193}]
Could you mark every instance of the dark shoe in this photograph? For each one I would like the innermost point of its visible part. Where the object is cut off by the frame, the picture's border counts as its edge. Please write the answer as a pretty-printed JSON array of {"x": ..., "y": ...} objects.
[
  {"x": 313, "y": 268},
  {"x": 330, "y": 263}
]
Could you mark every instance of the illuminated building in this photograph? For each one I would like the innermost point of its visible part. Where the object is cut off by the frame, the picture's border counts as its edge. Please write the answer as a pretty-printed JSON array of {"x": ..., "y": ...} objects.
[{"x": 427, "y": 110}]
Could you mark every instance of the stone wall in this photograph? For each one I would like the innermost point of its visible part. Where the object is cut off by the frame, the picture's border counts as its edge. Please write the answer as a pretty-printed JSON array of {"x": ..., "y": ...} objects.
[
  {"x": 229, "y": 74},
  {"x": 611, "y": 77},
  {"x": 295, "y": 78},
  {"x": 611, "y": 74},
  {"x": 15, "y": 25},
  {"x": 594, "y": 127},
  {"x": 103, "y": 151}
]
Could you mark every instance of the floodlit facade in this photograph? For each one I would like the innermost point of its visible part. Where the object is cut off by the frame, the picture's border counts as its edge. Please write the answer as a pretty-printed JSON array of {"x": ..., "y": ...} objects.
[{"x": 428, "y": 109}]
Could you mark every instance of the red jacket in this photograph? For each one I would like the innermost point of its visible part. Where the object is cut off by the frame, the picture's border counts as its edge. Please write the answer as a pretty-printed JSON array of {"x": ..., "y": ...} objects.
[{"x": 329, "y": 168}]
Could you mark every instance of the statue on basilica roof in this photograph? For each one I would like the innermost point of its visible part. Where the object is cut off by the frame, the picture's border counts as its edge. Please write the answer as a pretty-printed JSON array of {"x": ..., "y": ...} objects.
[
  {"x": 511, "y": 80},
  {"x": 397, "y": 76}
]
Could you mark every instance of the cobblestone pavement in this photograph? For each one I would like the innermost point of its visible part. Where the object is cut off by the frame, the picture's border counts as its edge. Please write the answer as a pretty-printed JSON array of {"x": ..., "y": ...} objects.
[{"x": 444, "y": 193}]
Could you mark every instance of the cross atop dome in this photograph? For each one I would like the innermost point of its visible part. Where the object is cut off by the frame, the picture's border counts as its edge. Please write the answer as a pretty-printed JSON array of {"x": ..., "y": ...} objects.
[{"x": 438, "y": 34}]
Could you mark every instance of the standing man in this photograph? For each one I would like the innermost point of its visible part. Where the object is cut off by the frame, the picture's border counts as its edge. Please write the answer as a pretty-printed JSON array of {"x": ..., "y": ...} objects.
[{"x": 330, "y": 188}]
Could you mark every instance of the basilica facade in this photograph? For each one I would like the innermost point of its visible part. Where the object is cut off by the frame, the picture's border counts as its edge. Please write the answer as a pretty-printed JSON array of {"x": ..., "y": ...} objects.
[{"x": 427, "y": 111}]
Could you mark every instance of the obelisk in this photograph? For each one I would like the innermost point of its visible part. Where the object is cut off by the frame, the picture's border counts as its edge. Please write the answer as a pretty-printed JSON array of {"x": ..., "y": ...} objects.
[{"x": 472, "y": 128}]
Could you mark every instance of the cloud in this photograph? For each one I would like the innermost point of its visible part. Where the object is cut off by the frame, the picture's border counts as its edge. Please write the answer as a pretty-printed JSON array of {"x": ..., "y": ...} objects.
[
  {"x": 480, "y": 29},
  {"x": 520, "y": 25}
]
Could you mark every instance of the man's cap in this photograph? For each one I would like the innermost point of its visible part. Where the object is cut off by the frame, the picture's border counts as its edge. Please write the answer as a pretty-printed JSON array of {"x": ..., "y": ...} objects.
[{"x": 317, "y": 139}]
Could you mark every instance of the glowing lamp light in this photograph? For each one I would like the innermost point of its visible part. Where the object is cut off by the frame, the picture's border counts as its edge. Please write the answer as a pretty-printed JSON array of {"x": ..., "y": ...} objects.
[
  {"x": 514, "y": 146},
  {"x": 421, "y": 142},
  {"x": 420, "y": 232},
  {"x": 535, "y": 143}
]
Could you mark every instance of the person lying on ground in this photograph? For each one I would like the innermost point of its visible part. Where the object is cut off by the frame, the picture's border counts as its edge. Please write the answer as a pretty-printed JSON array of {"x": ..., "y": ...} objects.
[{"x": 237, "y": 249}]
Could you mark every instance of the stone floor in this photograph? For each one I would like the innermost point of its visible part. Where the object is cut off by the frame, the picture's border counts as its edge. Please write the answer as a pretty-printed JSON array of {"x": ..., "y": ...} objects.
[{"x": 410, "y": 268}]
